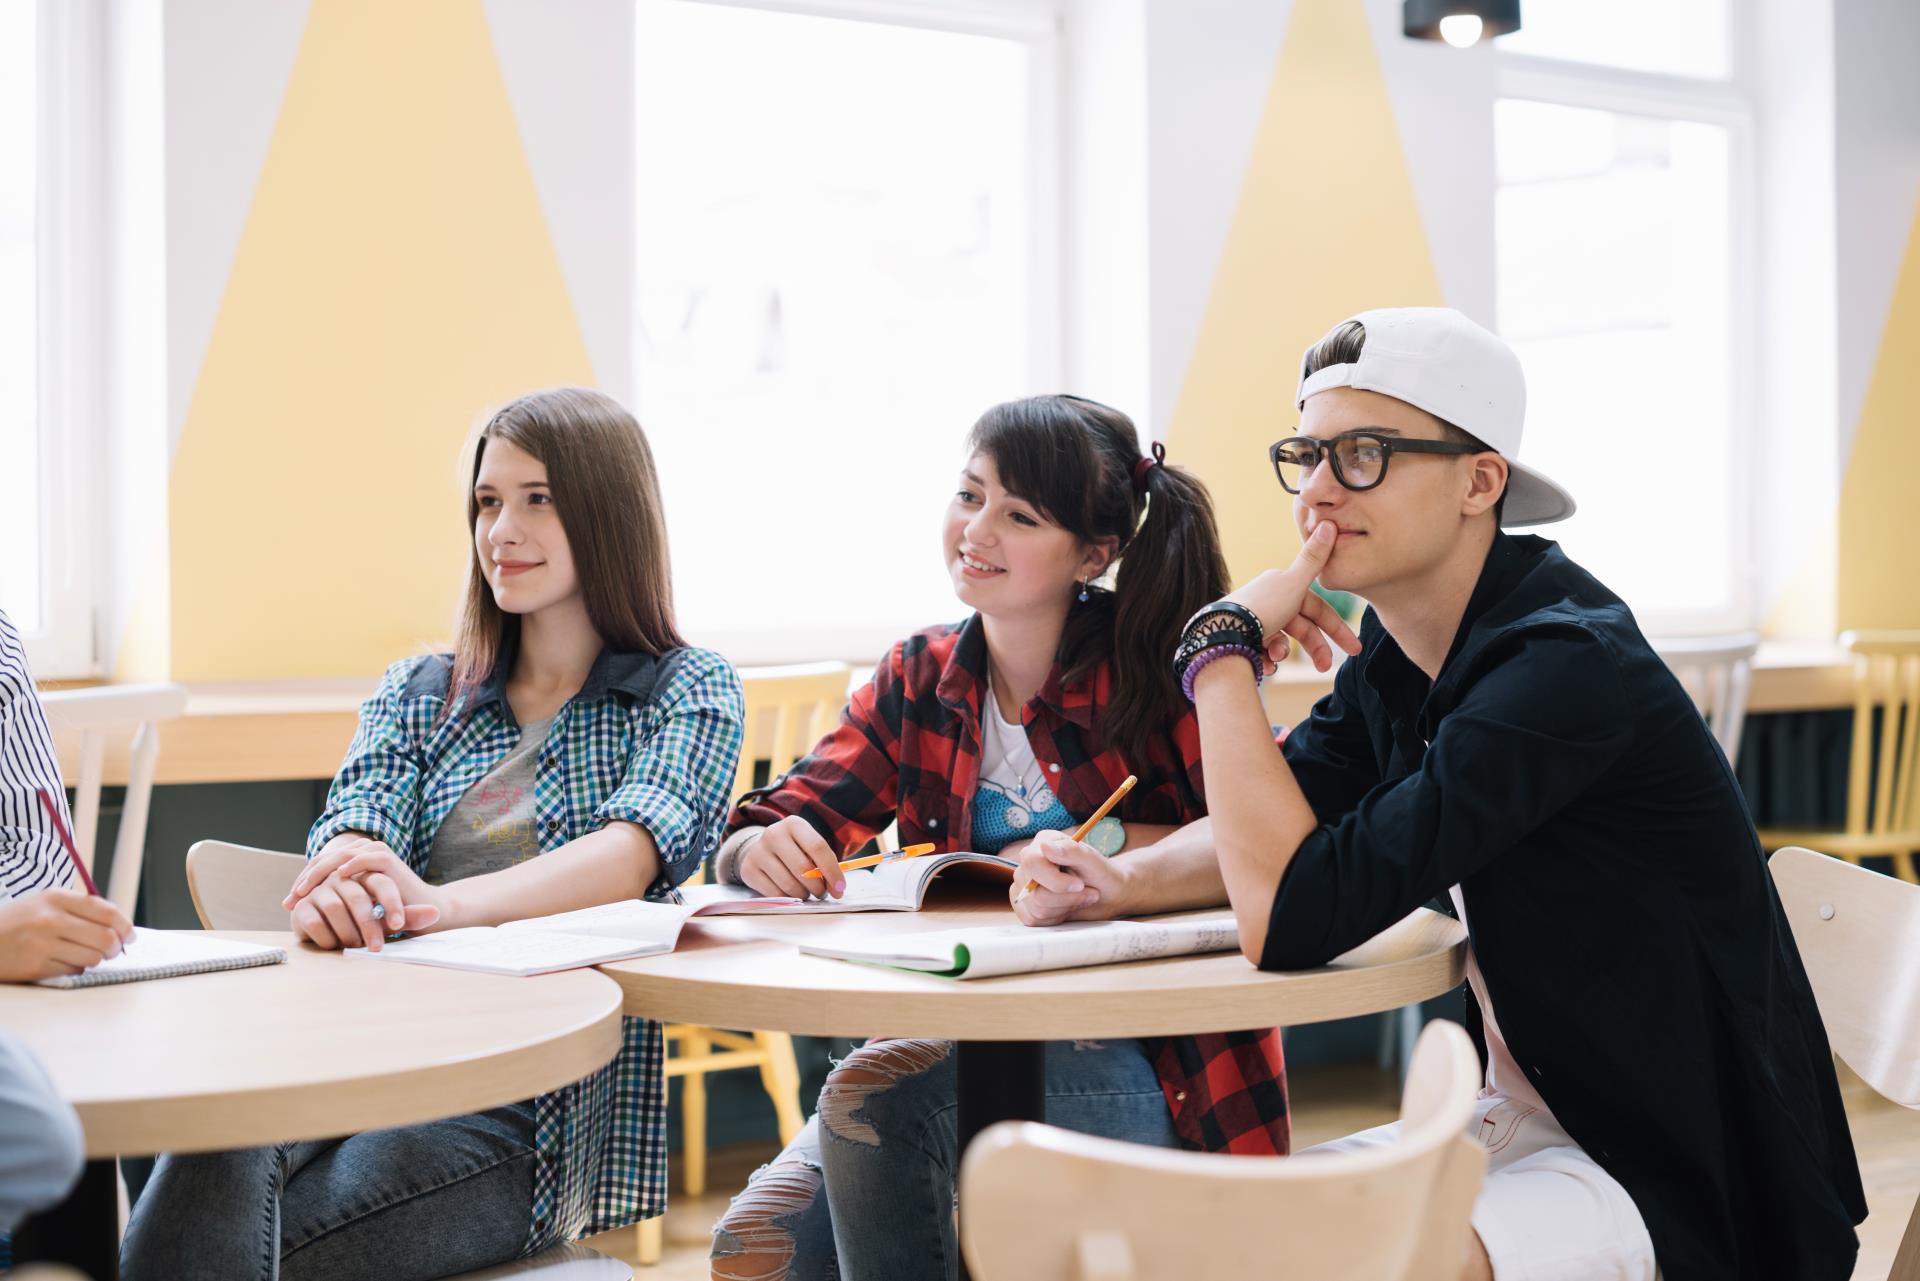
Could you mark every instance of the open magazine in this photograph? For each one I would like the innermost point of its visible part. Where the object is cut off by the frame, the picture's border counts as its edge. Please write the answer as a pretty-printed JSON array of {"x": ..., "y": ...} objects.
[
  {"x": 542, "y": 944},
  {"x": 985, "y": 951},
  {"x": 890, "y": 887}
]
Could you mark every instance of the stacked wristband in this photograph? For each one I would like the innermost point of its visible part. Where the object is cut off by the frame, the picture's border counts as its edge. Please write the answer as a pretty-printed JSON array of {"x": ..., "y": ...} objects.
[{"x": 1222, "y": 628}]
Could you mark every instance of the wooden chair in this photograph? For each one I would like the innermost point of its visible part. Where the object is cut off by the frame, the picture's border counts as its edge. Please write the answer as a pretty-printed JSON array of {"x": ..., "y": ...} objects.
[
  {"x": 1044, "y": 1204},
  {"x": 1883, "y": 765},
  {"x": 94, "y": 714},
  {"x": 788, "y": 710},
  {"x": 1859, "y": 937},
  {"x": 238, "y": 887},
  {"x": 1716, "y": 672}
]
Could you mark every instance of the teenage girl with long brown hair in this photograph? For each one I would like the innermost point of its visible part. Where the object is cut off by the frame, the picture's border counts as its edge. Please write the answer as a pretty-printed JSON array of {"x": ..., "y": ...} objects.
[{"x": 571, "y": 751}]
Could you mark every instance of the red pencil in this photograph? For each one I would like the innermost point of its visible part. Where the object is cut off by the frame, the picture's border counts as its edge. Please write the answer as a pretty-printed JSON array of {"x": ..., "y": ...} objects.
[{"x": 66, "y": 839}]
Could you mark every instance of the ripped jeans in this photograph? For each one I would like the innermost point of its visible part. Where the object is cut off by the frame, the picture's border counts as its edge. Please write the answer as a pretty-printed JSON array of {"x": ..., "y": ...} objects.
[{"x": 866, "y": 1189}]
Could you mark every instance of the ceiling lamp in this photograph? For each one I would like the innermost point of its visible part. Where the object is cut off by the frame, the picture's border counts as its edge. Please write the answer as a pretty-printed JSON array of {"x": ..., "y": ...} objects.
[{"x": 1459, "y": 22}]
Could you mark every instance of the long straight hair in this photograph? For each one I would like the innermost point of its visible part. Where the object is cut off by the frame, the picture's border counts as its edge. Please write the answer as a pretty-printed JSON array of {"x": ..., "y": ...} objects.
[
  {"x": 607, "y": 493},
  {"x": 1076, "y": 461}
]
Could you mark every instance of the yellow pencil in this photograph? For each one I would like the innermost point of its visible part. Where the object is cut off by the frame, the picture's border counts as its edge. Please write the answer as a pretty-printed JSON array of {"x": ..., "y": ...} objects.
[
  {"x": 1080, "y": 834},
  {"x": 912, "y": 851}
]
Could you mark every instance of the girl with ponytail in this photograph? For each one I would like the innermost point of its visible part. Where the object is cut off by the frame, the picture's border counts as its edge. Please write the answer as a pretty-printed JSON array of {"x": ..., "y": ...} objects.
[{"x": 1081, "y": 558}]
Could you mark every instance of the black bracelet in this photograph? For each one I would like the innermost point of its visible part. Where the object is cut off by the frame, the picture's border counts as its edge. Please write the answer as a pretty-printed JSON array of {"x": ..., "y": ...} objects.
[
  {"x": 1230, "y": 607},
  {"x": 1228, "y": 633}
]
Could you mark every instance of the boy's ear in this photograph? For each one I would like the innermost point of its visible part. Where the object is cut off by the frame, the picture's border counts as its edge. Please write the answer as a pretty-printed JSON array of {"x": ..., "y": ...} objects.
[{"x": 1487, "y": 481}]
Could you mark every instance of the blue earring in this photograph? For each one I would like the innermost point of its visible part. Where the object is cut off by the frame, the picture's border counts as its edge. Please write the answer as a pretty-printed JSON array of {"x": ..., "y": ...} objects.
[{"x": 1083, "y": 591}]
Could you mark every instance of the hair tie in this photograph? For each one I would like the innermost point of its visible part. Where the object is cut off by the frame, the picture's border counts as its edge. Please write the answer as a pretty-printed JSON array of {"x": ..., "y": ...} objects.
[{"x": 1146, "y": 464}]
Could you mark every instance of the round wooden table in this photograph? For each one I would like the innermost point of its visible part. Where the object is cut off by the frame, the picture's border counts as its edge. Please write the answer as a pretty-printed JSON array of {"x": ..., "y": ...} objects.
[
  {"x": 746, "y": 972},
  {"x": 325, "y": 1044}
]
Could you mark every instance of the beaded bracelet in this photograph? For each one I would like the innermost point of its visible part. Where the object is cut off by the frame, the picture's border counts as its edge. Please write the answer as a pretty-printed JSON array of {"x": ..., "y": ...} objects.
[{"x": 1219, "y": 651}]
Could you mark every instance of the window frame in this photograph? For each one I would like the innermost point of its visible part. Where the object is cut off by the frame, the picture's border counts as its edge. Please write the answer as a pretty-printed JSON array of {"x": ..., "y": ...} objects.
[
  {"x": 1728, "y": 103},
  {"x": 71, "y": 273},
  {"x": 1037, "y": 24}
]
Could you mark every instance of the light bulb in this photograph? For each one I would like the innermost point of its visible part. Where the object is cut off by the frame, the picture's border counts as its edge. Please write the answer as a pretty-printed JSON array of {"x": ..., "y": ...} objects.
[{"x": 1460, "y": 29}]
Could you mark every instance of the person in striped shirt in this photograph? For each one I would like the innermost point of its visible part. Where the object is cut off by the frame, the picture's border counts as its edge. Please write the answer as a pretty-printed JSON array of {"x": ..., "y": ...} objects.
[
  {"x": 48, "y": 925},
  {"x": 46, "y": 929}
]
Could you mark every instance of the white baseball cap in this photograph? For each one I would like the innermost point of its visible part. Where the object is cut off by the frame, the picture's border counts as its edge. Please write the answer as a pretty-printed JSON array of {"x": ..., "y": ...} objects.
[{"x": 1436, "y": 359}]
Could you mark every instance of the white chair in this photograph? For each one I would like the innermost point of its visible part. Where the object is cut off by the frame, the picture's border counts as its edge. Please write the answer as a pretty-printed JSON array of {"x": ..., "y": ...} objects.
[
  {"x": 1859, "y": 937},
  {"x": 238, "y": 887},
  {"x": 1716, "y": 672},
  {"x": 94, "y": 714},
  {"x": 1044, "y": 1204}
]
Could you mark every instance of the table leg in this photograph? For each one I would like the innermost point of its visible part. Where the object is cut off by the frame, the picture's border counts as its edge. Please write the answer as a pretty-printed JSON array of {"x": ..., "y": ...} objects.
[
  {"x": 82, "y": 1231},
  {"x": 999, "y": 1081}
]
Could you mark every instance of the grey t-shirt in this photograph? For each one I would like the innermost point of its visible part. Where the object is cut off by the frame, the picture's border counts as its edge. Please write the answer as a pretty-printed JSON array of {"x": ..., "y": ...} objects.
[{"x": 492, "y": 825}]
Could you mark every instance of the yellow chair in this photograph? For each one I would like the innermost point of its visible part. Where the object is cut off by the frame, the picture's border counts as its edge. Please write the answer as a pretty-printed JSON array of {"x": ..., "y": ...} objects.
[
  {"x": 788, "y": 710},
  {"x": 1883, "y": 769}
]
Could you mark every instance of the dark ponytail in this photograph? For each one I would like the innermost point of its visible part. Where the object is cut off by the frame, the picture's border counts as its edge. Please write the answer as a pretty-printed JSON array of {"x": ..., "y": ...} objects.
[{"x": 1079, "y": 463}]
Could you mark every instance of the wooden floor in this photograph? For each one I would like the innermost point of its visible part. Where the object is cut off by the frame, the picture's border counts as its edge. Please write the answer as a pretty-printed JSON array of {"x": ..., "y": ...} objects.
[{"x": 1330, "y": 1102}]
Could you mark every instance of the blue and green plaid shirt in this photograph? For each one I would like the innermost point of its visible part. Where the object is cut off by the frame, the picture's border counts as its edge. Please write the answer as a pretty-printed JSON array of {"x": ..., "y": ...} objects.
[{"x": 647, "y": 741}]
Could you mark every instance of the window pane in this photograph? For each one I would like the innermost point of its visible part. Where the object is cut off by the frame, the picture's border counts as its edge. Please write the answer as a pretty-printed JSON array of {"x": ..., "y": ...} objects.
[
  {"x": 1680, "y": 37},
  {"x": 20, "y": 572},
  {"x": 1612, "y": 252},
  {"x": 833, "y": 256}
]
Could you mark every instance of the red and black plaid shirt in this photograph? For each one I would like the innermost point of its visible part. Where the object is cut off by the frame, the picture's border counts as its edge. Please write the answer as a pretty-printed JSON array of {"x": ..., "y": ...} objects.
[{"x": 908, "y": 750}]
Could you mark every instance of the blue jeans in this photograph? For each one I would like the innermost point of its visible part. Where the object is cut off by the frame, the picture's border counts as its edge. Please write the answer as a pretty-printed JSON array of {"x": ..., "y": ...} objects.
[
  {"x": 407, "y": 1204},
  {"x": 866, "y": 1190}
]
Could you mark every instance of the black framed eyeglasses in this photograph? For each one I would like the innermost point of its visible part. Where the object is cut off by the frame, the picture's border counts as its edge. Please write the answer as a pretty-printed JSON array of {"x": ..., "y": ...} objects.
[{"x": 1359, "y": 457}]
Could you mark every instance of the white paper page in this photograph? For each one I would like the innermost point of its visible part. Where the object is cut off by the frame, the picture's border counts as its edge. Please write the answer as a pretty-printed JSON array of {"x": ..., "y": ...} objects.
[
  {"x": 890, "y": 887},
  {"x": 1020, "y": 949},
  {"x": 632, "y": 918},
  {"x": 160, "y": 949},
  {"x": 500, "y": 951}
]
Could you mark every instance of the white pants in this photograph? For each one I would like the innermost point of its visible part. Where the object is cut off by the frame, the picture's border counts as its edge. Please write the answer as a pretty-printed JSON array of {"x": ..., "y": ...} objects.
[{"x": 1547, "y": 1211}]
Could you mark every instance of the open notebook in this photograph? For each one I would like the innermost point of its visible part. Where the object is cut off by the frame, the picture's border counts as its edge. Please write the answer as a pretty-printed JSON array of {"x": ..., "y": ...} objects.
[
  {"x": 165, "y": 954},
  {"x": 984, "y": 951},
  {"x": 542, "y": 944},
  {"x": 891, "y": 887}
]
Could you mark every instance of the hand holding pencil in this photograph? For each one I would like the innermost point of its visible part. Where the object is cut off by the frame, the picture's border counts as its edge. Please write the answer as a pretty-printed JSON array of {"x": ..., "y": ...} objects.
[
  {"x": 59, "y": 931},
  {"x": 791, "y": 860},
  {"x": 1080, "y": 833}
]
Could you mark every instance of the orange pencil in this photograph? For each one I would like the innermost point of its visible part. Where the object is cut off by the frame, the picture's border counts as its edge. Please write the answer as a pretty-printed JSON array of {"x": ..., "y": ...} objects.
[
  {"x": 912, "y": 851},
  {"x": 1081, "y": 833}
]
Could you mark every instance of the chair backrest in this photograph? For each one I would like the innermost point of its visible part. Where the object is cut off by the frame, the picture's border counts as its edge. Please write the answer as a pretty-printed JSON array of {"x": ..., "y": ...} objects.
[
  {"x": 1717, "y": 673},
  {"x": 1884, "y": 764},
  {"x": 95, "y": 714},
  {"x": 1859, "y": 937},
  {"x": 237, "y": 887},
  {"x": 1046, "y": 1204},
  {"x": 788, "y": 710}
]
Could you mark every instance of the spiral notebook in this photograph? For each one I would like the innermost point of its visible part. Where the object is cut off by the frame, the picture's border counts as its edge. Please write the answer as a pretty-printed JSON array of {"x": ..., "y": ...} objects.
[{"x": 166, "y": 954}]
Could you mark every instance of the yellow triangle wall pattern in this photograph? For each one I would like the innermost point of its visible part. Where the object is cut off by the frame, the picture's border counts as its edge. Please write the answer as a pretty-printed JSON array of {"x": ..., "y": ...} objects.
[
  {"x": 396, "y": 276},
  {"x": 1878, "y": 527},
  {"x": 1326, "y": 225}
]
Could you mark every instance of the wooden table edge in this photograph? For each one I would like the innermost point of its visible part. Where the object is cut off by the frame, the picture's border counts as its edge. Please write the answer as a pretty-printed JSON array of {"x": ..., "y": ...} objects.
[
  {"x": 229, "y": 1118},
  {"x": 978, "y": 1016}
]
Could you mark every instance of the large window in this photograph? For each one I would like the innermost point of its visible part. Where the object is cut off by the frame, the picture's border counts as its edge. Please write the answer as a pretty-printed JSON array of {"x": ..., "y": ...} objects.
[
  {"x": 1622, "y": 242},
  {"x": 21, "y": 573},
  {"x": 49, "y": 146},
  {"x": 843, "y": 256}
]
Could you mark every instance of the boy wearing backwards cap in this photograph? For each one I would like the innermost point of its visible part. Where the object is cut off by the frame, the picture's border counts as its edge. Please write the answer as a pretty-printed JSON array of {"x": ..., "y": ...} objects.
[{"x": 1659, "y": 1088}]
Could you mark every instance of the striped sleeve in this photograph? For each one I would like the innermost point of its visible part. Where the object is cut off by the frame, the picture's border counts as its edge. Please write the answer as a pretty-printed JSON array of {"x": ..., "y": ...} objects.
[{"x": 31, "y": 856}]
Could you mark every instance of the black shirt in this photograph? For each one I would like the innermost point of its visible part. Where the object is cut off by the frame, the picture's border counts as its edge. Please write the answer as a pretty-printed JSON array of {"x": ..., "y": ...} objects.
[{"x": 1619, "y": 904}]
